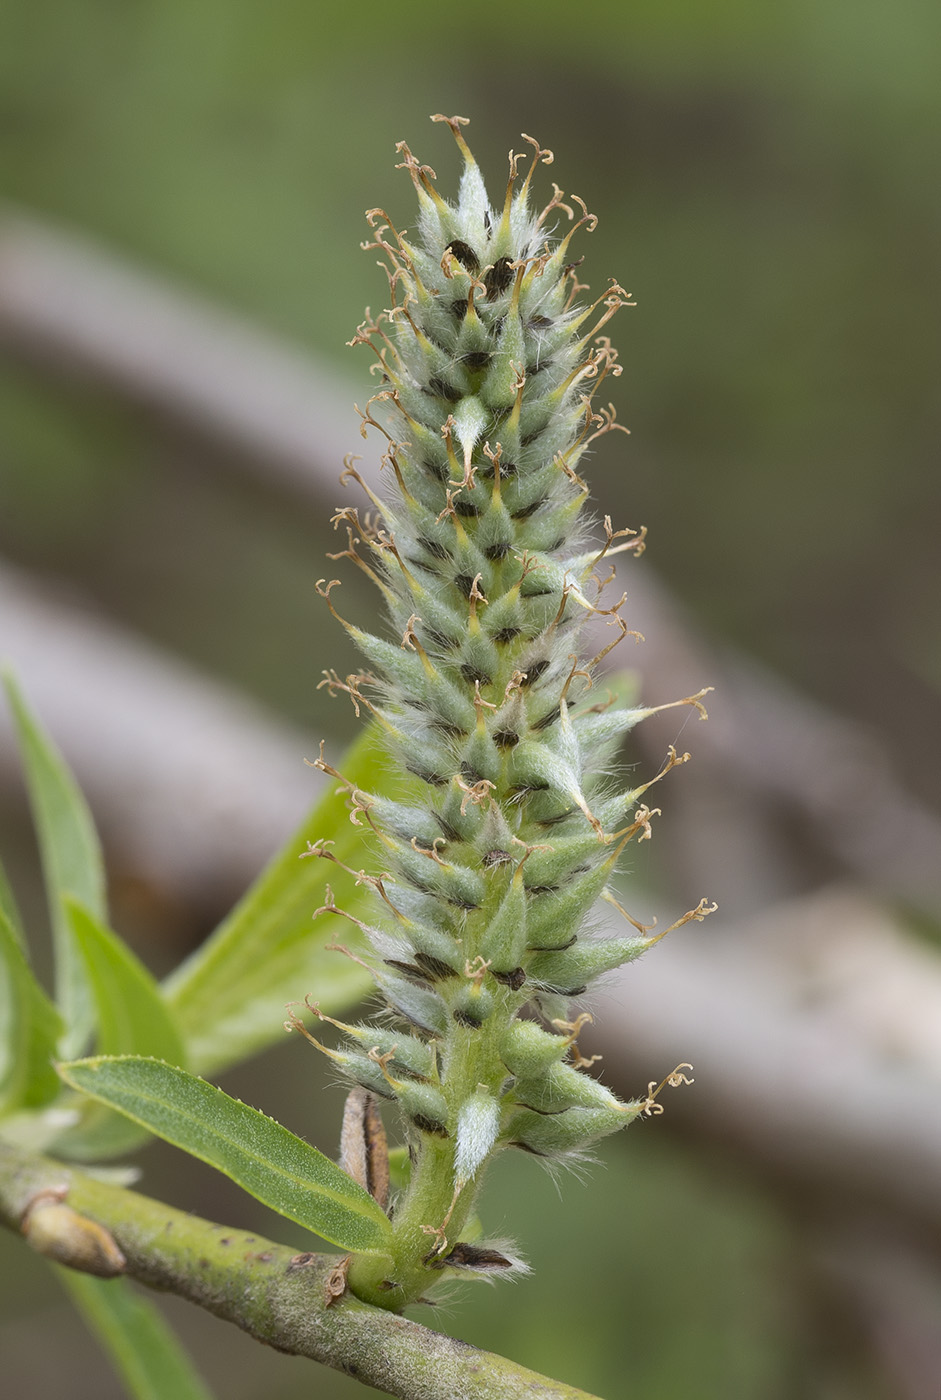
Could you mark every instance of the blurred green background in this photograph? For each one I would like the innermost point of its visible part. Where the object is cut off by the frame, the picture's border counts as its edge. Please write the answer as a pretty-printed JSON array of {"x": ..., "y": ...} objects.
[{"x": 767, "y": 182}]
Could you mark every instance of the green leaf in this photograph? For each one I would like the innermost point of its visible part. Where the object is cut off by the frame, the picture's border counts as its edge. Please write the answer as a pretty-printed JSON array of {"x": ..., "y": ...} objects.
[
  {"x": 8, "y": 907},
  {"x": 229, "y": 997},
  {"x": 29, "y": 1029},
  {"x": 71, "y": 861},
  {"x": 132, "y": 1018},
  {"x": 270, "y": 1163},
  {"x": 145, "y": 1353}
]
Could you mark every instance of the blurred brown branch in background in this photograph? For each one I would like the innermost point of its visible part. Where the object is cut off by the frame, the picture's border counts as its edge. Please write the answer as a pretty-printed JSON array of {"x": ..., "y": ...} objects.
[{"x": 82, "y": 312}]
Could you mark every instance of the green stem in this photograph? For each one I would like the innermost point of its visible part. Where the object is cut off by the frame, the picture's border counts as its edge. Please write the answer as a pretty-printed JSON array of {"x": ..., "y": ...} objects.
[
  {"x": 426, "y": 1204},
  {"x": 429, "y": 1203},
  {"x": 273, "y": 1294}
]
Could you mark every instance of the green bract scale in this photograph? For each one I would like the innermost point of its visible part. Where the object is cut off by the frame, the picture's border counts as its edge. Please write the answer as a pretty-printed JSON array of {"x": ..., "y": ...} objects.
[{"x": 489, "y": 365}]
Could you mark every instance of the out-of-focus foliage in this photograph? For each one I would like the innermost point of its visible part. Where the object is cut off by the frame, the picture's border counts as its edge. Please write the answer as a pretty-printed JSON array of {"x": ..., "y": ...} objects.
[
  {"x": 145, "y": 1353},
  {"x": 229, "y": 995}
]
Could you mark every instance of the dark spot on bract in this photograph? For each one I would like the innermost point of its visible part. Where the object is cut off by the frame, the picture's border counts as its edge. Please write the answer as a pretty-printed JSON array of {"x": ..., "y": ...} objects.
[
  {"x": 466, "y": 508},
  {"x": 448, "y": 728},
  {"x": 371, "y": 1088},
  {"x": 539, "y": 322},
  {"x": 459, "y": 308},
  {"x": 534, "y": 671},
  {"x": 434, "y": 547},
  {"x": 432, "y": 779},
  {"x": 472, "y": 673},
  {"x": 498, "y": 277},
  {"x": 525, "y": 512},
  {"x": 445, "y": 827},
  {"x": 561, "y": 947},
  {"x": 527, "y": 789},
  {"x": 423, "y": 564},
  {"x": 476, "y": 359},
  {"x": 440, "y": 640},
  {"x": 444, "y": 390},
  {"x": 465, "y": 583},
  {"x": 530, "y": 438},
  {"x": 547, "y": 720},
  {"x": 428, "y": 1125},
  {"x": 435, "y": 968},
  {"x": 506, "y": 738},
  {"x": 507, "y": 634},
  {"x": 409, "y": 970},
  {"x": 497, "y": 857},
  {"x": 513, "y": 979},
  {"x": 542, "y": 889},
  {"x": 466, "y": 1018},
  {"x": 498, "y": 551},
  {"x": 464, "y": 254}
]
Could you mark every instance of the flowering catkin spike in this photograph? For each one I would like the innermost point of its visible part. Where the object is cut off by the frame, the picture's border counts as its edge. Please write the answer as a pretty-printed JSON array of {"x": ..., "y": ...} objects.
[{"x": 489, "y": 367}]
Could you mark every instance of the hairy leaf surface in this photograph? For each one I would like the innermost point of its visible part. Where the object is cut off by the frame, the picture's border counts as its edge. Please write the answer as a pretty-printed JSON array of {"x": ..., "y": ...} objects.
[{"x": 264, "y": 1158}]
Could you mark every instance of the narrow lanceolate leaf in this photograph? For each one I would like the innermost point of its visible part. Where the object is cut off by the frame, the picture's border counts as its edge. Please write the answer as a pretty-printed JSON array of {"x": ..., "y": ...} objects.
[
  {"x": 8, "y": 906},
  {"x": 71, "y": 861},
  {"x": 229, "y": 997},
  {"x": 260, "y": 1155},
  {"x": 132, "y": 1016},
  {"x": 145, "y": 1353},
  {"x": 29, "y": 1029},
  {"x": 132, "y": 1019}
]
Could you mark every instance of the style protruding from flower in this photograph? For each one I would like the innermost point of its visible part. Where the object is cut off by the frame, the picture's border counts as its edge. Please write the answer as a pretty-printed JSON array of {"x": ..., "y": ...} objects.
[{"x": 508, "y": 825}]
